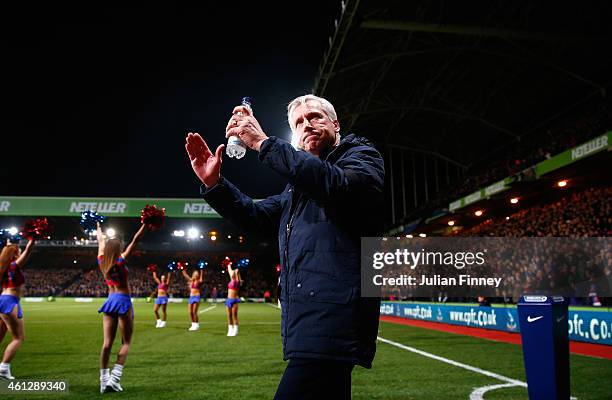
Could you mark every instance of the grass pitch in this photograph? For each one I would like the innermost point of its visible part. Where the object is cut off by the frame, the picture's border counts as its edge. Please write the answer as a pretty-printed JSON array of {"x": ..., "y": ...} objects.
[{"x": 63, "y": 341}]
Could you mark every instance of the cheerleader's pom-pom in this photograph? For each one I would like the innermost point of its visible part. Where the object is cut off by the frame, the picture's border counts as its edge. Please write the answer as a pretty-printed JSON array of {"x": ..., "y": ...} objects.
[
  {"x": 226, "y": 262},
  {"x": 153, "y": 217},
  {"x": 37, "y": 229},
  {"x": 243, "y": 263},
  {"x": 9, "y": 236},
  {"x": 90, "y": 220}
]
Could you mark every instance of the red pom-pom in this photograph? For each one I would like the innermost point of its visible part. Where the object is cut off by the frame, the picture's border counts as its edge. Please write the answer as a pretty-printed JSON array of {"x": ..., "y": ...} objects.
[
  {"x": 37, "y": 229},
  {"x": 153, "y": 217},
  {"x": 180, "y": 266},
  {"x": 226, "y": 262},
  {"x": 152, "y": 268}
]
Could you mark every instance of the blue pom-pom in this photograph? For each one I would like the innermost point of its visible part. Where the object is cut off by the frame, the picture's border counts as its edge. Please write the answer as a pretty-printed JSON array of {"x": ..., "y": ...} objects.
[
  {"x": 90, "y": 219},
  {"x": 202, "y": 264},
  {"x": 243, "y": 263},
  {"x": 172, "y": 266},
  {"x": 7, "y": 234}
]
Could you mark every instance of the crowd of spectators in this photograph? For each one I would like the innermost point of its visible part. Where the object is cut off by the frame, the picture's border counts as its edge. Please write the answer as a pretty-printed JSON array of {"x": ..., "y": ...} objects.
[
  {"x": 535, "y": 250},
  {"x": 88, "y": 282},
  {"x": 47, "y": 282},
  {"x": 583, "y": 214}
]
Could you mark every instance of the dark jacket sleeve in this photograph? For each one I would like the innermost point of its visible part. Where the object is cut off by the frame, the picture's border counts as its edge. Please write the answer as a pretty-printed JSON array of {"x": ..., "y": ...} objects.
[
  {"x": 358, "y": 172},
  {"x": 261, "y": 217}
]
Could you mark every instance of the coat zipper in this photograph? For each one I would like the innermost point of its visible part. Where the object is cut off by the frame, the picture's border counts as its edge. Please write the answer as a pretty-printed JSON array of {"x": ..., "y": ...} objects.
[
  {"x": 294, "y": 201},
  {"x": 287, "y": 234},
  {"x": 290, "y": 225}
]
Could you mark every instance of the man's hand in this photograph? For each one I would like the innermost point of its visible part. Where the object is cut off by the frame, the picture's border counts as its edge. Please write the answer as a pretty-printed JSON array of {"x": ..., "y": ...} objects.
[
  {"x": 205, "y": 165},
  {"x": 246, "y": 127}
]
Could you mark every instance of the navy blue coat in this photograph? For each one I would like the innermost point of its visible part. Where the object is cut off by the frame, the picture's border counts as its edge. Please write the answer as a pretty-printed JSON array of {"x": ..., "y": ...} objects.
[{"x": 327, "y": 205}]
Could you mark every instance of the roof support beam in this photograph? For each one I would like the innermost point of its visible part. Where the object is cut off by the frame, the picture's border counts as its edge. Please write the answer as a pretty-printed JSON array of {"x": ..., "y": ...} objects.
[
  {"x": 413, "y": 26},
  {"x": 349, "y": 7}
]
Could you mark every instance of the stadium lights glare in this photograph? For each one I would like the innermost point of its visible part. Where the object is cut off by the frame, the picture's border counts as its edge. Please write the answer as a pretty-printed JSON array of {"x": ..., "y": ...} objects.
[
  {"x": 74, "y": 261},
  {"x": 562, "y": 183},
  {"x": 193, "y": 233},
  {"x": 409, "y": 236},
  {"x": 451, "y": 223},
  {"x": 514, "y": 200},
  {"x": 13, "y": 230},
  {"x": 179, "y": 233},
  {"x": 213, "y": 238},
  {"x": 110, "y": 232},
  {"x": 478, "y": 213},
  {"x": 422, "y": 235},
  {"x": 507, "y": 218}
]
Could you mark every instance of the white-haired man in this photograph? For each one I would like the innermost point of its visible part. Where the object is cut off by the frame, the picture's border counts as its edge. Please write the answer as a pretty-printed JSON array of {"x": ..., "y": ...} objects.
[{"x": 332, "y": 198}]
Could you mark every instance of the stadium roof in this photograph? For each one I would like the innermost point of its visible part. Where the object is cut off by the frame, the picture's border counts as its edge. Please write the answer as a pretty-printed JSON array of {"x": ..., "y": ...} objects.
[{"x": 450, "y": 84}]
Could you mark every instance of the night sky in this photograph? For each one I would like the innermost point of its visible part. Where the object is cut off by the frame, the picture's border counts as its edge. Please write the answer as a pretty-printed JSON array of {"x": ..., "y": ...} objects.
[{"x": 97, "y": 101}]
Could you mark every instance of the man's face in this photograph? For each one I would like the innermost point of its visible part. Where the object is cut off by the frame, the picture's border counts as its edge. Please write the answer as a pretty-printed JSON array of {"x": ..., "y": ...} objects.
[{"x": 314, "y": 129}]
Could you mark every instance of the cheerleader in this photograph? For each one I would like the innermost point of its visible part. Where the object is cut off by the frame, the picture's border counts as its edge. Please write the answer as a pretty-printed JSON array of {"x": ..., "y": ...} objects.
[
  {"x": 233, "y": 298},
  {"x": 12, "y": 260},
  {"x": 118, "y": 310},
  {"x": 162, "y": 298},
  {"x": 195, "y": 283}
]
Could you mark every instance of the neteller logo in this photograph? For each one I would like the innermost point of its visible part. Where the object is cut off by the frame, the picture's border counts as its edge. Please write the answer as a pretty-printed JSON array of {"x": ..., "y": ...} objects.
[
  {"x": 533, "y": 319},
  {"x": 5, "y": 205},
  {"x": 106, "y": 207},
  {"x": 535, "y": 299},
  {"x": 198, "y": 208}
]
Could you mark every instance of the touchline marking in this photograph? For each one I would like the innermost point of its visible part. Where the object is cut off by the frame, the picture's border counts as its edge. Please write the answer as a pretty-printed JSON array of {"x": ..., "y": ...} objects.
[
  {"x": 529, "y": 319},
  {"x": 477, "y": 394},
  {"x": 455, "y": 363},
  {"x": 207, "y": 309}
]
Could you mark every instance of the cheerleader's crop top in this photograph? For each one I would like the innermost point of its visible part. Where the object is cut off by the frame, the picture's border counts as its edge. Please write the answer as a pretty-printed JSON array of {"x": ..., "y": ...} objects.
[{"x": 118, "y": 274}]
